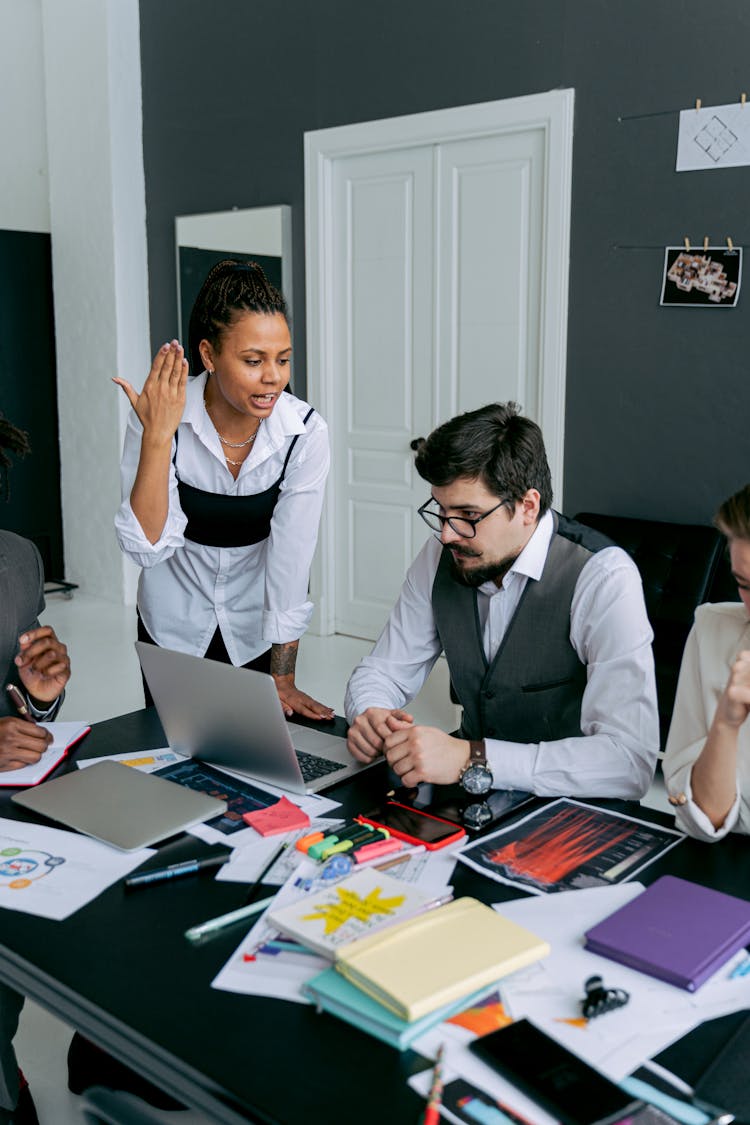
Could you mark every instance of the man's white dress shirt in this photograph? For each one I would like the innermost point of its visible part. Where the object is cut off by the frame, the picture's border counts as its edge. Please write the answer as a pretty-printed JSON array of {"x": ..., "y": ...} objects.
[
  {"x": 609, "y": 630},
  {"x": 258, "y": 595}
]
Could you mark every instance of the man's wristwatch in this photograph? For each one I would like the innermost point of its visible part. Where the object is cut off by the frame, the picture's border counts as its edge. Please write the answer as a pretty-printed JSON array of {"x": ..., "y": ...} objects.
[{"x": 476, "y": 776}]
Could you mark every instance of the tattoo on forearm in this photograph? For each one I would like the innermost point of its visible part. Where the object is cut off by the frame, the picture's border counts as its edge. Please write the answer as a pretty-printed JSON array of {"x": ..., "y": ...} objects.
[{"x": 284, "y": 659}]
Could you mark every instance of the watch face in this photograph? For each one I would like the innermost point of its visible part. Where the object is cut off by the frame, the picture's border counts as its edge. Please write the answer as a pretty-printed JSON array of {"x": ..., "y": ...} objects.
[
  {"x": 476, "y": 780},
  {"x": 477, "y": 815}
]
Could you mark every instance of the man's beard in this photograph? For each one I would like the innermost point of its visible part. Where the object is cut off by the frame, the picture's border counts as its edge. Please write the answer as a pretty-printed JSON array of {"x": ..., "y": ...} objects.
[{"x": 481, "y": 574}]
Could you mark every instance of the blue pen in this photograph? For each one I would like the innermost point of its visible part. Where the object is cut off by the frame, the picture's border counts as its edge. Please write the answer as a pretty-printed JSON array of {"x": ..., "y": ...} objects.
[
  {"x": 741, "y": 970},
  {"x": 682, "y": 1111},
  {"x": 177, "y": 870}
]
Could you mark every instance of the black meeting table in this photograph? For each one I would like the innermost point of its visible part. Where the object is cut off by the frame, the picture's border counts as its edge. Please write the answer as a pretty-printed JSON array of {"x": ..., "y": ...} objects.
[{"x": 121, "y": 971}]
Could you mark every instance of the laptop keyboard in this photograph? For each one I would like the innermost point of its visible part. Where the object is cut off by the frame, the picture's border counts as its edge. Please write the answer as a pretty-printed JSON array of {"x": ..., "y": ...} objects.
[{"x": 314, "y": 767}]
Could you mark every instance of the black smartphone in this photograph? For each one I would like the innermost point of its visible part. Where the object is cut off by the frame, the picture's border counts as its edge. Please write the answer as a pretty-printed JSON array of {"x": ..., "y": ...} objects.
[
  {"x": 555, "y": 1078},
  {"x": 413, "y": 825}
]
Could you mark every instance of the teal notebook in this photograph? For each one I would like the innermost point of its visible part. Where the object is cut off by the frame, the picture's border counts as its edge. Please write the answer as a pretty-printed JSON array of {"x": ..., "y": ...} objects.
[{"x": 332, "y": 992}]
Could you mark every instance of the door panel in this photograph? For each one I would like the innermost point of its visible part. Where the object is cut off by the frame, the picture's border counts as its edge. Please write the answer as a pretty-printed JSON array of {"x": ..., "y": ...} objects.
[
  {"x": 382, "y": 300},
  {"x": 490, "y": 237}
]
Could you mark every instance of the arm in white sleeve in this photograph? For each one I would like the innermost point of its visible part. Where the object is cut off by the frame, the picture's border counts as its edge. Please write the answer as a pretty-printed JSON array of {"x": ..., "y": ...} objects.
[
  {"x": 406, "y": 650},
  {"x": 615, "y": 754},
  {"x": 294, "y": 534},
  {"x": 688, "y": 732},
  {"x": 129, "y": 532}
]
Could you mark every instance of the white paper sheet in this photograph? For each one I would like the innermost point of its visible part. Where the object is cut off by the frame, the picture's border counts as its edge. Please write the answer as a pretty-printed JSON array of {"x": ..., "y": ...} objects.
[
  {"x": 52, "y": 873},
  {"x": 550, "y": 991},
  {"x": 146, "y": 761},
  {"x": 717, "y": 136}
]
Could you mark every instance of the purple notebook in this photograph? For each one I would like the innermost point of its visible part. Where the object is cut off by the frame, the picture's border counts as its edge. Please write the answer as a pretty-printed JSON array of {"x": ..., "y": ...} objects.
[{"x": 675, "y": 930}]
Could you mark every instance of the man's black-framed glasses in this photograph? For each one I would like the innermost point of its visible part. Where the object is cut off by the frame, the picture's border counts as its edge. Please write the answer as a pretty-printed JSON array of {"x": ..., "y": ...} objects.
[{"x": 461, "y": 525}]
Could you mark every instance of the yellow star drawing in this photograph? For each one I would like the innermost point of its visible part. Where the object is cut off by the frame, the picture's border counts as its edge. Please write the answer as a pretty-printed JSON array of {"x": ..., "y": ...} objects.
[{"x": 351, "y": 906}]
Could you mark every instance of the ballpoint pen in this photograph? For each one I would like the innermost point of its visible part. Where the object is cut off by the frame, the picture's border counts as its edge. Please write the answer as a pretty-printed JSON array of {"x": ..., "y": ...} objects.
[
  {"x": 20, "y": 703},
  {"x": 274, "y": 856},
  {"x": 177, "y": 870}
]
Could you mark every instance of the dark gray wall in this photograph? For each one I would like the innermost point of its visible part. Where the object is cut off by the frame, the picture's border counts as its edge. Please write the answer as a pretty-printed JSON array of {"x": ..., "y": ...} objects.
[{"x": 658, "y": 400}]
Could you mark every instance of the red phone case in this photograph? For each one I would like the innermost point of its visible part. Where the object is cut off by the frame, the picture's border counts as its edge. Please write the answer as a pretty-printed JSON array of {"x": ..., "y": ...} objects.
[{"x": 458, "y": 834}]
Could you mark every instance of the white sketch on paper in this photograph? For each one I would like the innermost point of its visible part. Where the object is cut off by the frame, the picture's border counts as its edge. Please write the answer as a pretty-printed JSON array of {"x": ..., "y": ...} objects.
[{"x": 715, "y": 137}]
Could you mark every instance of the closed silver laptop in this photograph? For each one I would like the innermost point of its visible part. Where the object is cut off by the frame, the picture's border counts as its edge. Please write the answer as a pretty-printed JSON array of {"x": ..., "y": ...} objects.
[
  {"x": 120, "y": 805},
  {"x": 233, "y": 717}
]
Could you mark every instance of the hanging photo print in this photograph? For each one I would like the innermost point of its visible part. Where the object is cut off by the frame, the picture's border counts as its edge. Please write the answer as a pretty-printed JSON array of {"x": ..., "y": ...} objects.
[{"x": 708, "y": 277}]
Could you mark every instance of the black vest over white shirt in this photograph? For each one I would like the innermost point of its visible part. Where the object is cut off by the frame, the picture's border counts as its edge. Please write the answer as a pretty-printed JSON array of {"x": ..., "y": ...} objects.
[
  {"x": 533, "y": 687},
  {"x": 218, "y": 520}
]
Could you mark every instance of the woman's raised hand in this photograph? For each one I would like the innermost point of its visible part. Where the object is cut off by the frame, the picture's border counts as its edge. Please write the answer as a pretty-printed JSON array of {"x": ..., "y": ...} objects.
[
  {"x": 734, "y": 705},
  {"x": 161, "y": 403}
]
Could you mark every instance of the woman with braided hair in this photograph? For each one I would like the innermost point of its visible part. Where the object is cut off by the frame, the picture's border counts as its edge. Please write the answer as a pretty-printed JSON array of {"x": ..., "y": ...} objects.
[{"x": 222, "y": 483}]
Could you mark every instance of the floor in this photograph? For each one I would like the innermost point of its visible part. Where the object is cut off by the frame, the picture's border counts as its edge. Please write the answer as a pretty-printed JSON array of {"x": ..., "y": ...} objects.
[{"x": 106, "y": 682}]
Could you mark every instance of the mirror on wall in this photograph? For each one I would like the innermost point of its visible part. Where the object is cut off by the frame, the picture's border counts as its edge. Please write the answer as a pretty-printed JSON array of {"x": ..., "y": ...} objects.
[{"x": 263, "y": 234}]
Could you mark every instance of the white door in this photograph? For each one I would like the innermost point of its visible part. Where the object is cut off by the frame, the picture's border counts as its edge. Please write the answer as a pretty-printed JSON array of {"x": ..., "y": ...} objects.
[
  {"x": 427, "y": 296},
  {"x": 383, "y": 278}
]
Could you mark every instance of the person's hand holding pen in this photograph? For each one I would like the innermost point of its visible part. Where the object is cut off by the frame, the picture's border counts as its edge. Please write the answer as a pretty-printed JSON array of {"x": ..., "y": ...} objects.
[{"x": 22, "y": 741}]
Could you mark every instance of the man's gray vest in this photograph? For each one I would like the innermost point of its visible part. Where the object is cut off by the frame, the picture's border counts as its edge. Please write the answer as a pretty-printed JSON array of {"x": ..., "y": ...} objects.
[{"x": 532, "y": 690}]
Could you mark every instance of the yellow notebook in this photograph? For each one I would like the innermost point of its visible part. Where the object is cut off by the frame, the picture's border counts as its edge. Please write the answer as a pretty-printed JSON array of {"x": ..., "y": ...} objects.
[{"x": 436, "y": 957}]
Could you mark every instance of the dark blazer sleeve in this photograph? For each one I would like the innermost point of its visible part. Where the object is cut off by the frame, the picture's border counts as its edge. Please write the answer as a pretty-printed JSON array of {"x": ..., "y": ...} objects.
[{"x": 21, "y": 602}]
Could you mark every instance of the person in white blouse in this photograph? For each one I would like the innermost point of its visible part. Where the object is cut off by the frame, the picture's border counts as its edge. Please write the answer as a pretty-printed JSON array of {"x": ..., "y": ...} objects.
[
  {"x": 707, "y": 757},
  {"x": 542, "y": 621},
  {"x": 222, "y": 483}
]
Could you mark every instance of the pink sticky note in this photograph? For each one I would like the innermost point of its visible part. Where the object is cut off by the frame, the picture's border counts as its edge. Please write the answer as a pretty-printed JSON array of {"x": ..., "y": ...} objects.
[{"x": 284, "y": 816}]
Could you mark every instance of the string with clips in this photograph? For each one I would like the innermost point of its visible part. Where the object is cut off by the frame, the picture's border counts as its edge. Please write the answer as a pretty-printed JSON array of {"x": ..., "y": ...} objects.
[
  {"x": 686, "y": 241},
  {"x": 668, "y": 112}
]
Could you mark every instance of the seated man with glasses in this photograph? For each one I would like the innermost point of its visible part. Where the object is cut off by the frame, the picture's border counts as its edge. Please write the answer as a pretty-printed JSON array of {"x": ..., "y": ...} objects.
[{"x": 542, "y": 622}]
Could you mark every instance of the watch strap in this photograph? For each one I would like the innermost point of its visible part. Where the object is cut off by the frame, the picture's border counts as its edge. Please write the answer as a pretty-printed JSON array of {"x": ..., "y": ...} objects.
[{"x": 477, "y": 753}]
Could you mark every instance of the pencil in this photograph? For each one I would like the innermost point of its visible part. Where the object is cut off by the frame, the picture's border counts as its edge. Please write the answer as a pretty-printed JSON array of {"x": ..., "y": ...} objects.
[
  {"x": 432, "y": 1110},
  {"x": 274, "y": 856}
]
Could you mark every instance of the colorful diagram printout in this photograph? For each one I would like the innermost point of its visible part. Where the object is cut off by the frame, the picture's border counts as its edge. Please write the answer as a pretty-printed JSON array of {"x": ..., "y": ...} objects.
[
  {"x": 20, "y": 867},
  {"x": 568, "y": 845}
]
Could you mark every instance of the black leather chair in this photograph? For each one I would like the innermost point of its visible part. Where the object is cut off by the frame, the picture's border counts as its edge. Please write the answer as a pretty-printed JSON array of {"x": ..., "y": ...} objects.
[{"x": 682, "y": 566}]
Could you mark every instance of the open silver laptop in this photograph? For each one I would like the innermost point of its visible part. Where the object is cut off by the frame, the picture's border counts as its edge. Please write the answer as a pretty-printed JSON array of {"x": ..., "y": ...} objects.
[{"x": 232, "y": 717}]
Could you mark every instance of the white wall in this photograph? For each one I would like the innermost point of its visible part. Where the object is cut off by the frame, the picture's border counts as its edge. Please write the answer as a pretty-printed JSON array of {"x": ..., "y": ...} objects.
[
  {"x": 24, "y": 189},
  {"x": 72, "y": 164},
  {"x": 98, "y": 226}
]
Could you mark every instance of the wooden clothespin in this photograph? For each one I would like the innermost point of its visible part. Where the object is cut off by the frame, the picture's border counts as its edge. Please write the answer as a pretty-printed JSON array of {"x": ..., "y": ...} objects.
[
  {"x": 698, "y": 104},
  {"x": 686, "y": 240},
  {"x": 730, "y": 244},
  {"x": 705, "y": 242}
]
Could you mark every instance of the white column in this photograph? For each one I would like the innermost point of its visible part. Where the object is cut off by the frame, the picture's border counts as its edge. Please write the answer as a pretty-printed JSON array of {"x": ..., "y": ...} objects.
[{"x": 98, "y": 226}]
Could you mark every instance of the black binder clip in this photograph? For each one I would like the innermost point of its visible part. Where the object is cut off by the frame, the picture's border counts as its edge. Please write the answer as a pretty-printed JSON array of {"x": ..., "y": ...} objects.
[{"x": 599, "y": 999}]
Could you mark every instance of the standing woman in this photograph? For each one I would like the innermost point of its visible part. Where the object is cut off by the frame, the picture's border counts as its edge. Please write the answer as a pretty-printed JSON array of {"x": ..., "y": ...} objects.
[
  {"x": 707, "y": 758},
  {"x": 222, "y": 483}
]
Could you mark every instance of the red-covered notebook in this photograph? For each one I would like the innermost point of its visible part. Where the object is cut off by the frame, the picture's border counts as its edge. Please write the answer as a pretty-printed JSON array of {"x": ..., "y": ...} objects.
[{"x": 65, "y": 736}]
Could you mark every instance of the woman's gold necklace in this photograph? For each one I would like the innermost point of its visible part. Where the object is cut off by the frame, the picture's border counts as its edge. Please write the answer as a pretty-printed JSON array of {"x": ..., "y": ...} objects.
[{"x": 233, "y": 444}]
